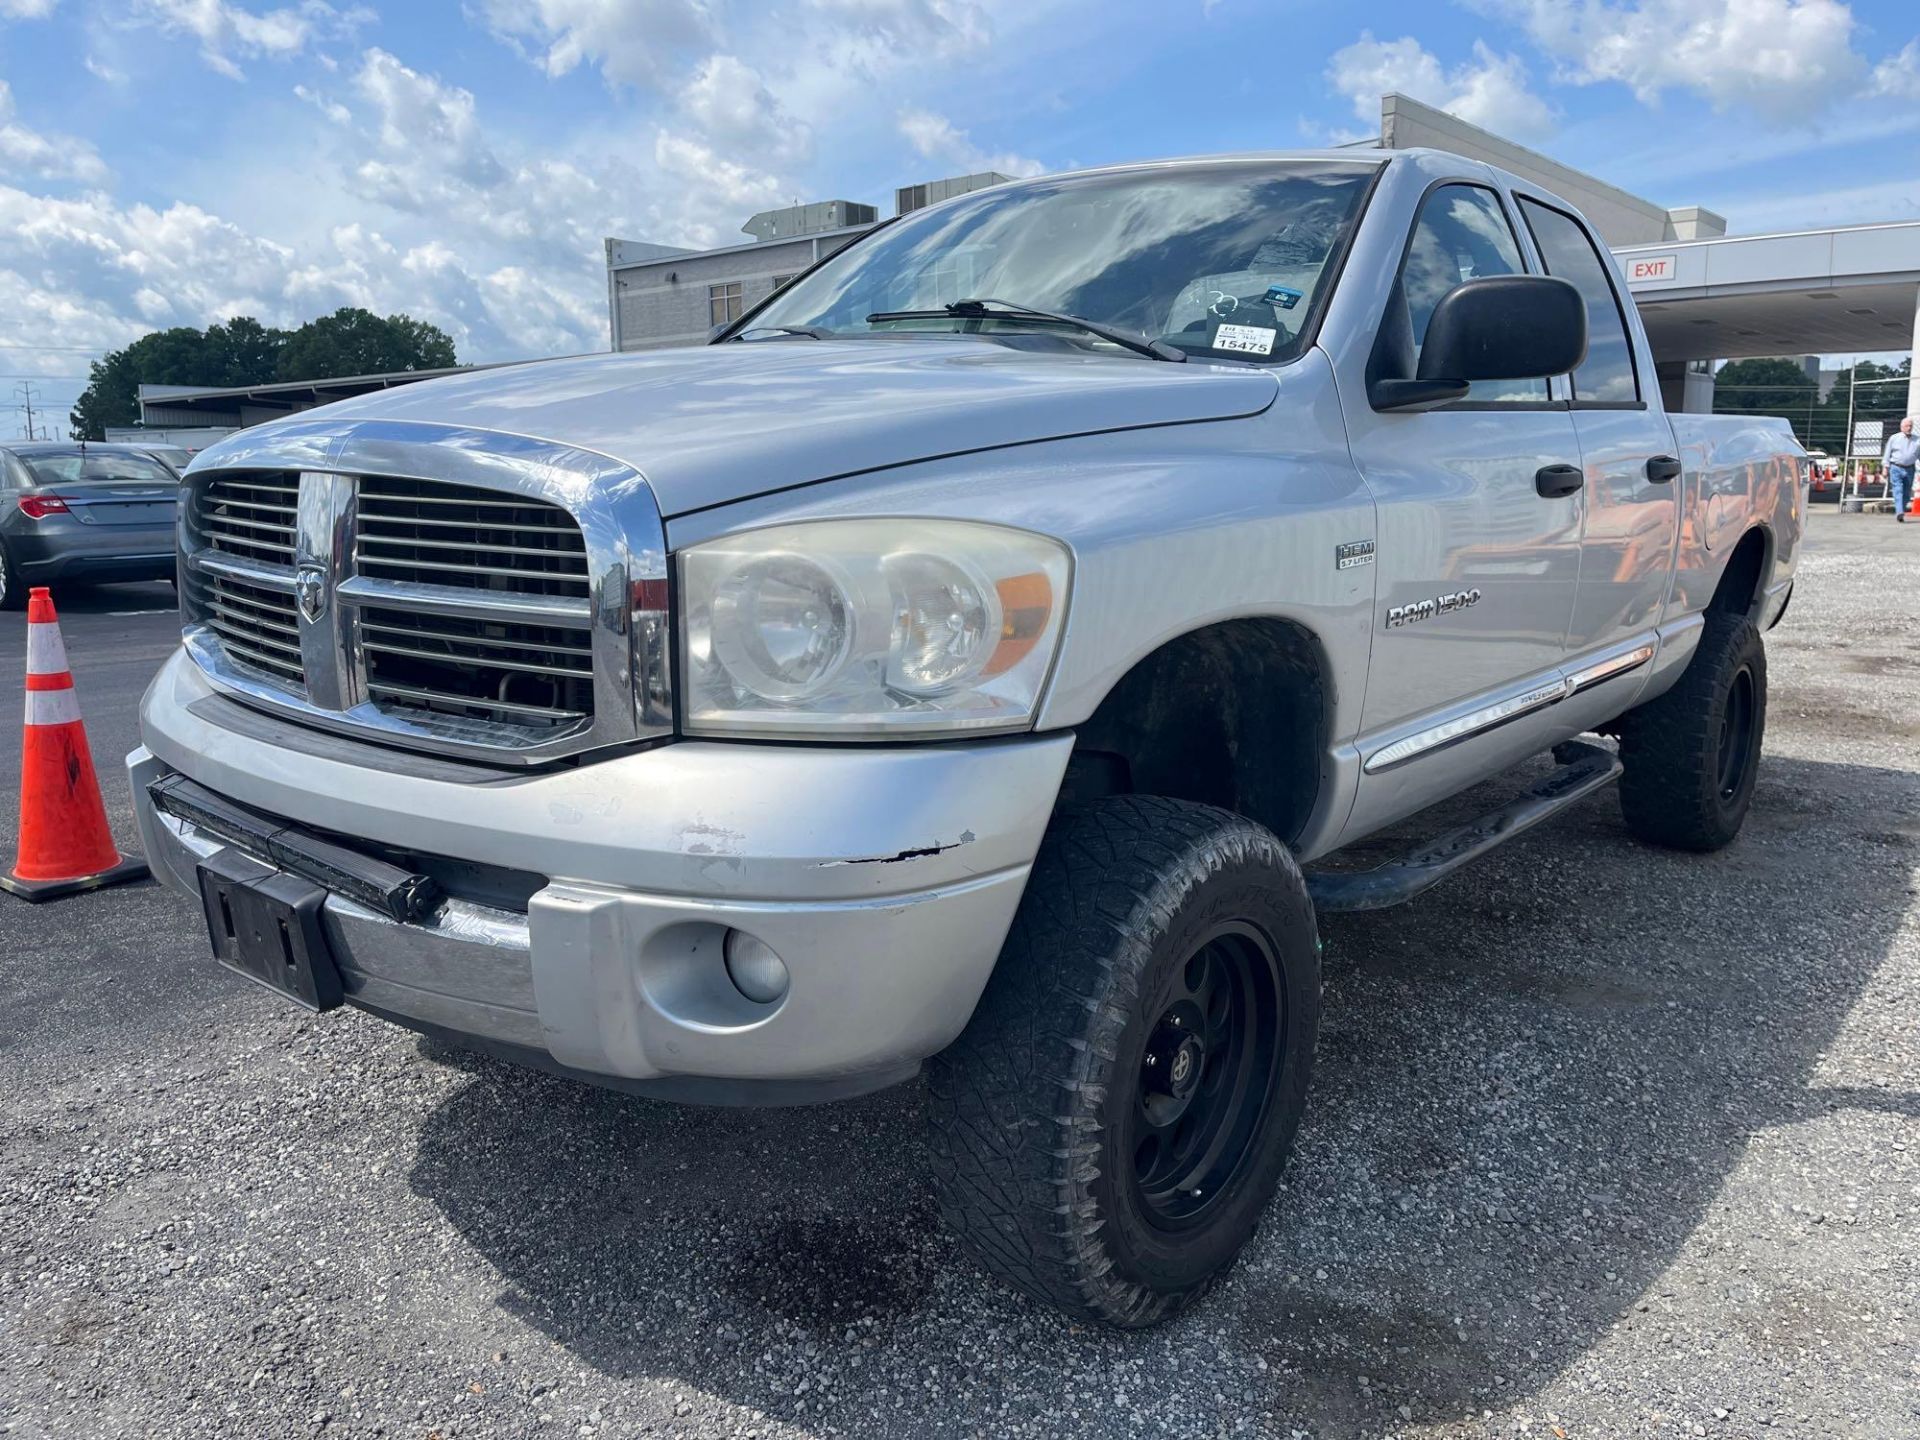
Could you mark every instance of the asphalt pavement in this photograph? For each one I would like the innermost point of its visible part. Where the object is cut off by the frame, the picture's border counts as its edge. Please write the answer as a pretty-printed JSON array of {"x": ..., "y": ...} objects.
[{"x": 1605, "y": 1141}]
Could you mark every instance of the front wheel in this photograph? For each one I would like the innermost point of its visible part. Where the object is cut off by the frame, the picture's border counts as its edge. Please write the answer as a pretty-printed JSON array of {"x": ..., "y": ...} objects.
[
  {"x": 1109, "y": 1127},
  {"x": 1690, "y": 758}
]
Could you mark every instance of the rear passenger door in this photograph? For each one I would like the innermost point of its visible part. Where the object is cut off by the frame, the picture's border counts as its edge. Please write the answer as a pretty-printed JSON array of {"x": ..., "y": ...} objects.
[{"x": 1627, "y": 452}]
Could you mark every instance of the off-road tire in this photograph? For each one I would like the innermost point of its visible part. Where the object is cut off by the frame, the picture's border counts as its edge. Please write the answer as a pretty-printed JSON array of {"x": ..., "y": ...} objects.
[
  {"x": 1675, "y": 749},
  {"x": 13, "y": 590},
  {"x": 1031, "y": 1111}
]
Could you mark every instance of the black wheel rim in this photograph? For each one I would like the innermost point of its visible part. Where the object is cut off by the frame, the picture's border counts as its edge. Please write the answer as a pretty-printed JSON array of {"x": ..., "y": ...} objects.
[
  {"x": 1206, "y": 1077},
  {"x": 1736, "y": 734}
]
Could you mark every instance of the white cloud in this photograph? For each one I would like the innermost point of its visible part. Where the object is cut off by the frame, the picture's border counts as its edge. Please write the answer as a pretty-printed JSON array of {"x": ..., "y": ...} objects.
[
  {"x": 878, "y": 34},
  {"x": 332, "y": 109},
  {"x": 96, "y": 273},
  {"x": 225, "y": 30},
  {"x": 1898, "y": 76},
  {"x": 50, "y": 157},
  {"x": 1492, "y": 90},
  {"x": 937, "y": 138},
  {"x": 730, "y": 103},
  {"x": 415, "y": 144},
  {"x": 707, "y": 183},
  {"x": 26, "y": 9},
  {"x": 1769, "y": 55},
  {"x": 634, "y": 42}
]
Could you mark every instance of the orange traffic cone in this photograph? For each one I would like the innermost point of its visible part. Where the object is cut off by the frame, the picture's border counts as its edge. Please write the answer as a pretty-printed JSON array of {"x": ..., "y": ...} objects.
[{"x": 65, "y": 844}]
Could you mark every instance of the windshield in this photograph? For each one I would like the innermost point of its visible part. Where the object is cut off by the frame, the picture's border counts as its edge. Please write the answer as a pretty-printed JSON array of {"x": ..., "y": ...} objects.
[
  {"x": 65, "y": 467},
  {"x": 1220, "y": 260}
]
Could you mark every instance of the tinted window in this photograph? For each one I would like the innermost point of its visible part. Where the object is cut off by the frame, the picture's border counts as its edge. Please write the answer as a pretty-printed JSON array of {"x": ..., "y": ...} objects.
[
  {"x": 1461, "y": 234},
  {"x": 1567, "y": 251},
  {"x": 64, "y": 467},
  {"x": 1217, "y": 259}
]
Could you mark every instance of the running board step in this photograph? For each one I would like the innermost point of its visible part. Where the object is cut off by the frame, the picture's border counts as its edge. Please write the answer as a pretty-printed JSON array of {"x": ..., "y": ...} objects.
[{"x": 1584, "y": 769}]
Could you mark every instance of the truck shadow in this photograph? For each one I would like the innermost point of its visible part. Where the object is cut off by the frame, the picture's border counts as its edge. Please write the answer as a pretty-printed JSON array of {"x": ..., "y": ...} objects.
[{"x": 1533, "y": 1087}]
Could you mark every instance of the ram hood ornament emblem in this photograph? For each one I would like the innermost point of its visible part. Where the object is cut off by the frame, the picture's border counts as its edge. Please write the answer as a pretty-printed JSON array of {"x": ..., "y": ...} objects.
[{"x": 310, "y": 589}]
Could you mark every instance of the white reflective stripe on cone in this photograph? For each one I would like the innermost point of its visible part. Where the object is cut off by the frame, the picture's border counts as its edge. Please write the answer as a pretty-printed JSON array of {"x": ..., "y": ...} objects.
[
  {"x": 46, "y": 652},
  {"x": 52, "y": 707}
]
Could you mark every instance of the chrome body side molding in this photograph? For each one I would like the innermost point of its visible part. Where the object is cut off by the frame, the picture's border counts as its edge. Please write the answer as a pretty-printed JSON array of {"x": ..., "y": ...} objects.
[{"x": 1507, "y": 708}]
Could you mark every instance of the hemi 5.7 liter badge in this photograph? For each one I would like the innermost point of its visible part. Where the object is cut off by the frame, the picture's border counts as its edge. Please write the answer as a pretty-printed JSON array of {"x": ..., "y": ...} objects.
[{"x": 1353, "y": 554}]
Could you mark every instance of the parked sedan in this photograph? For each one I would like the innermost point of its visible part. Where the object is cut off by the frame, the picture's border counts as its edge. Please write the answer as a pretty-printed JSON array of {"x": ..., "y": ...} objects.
[{"x": 70, "y": 510}]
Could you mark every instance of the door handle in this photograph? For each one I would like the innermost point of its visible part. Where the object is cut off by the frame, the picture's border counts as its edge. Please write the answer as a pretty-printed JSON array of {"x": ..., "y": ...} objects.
[
  {"x": 1662, "y": 468},
  {"x": 1555, "y": 482}
]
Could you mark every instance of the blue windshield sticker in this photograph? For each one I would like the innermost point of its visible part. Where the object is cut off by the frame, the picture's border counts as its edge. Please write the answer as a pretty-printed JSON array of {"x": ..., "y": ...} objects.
[{"x": 1281, "y": 297}]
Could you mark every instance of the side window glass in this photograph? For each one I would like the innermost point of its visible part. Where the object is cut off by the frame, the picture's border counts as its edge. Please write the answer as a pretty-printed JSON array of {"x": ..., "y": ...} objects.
[
  {"x": 1461, "y": 234},
  {"x": 1566, "y": 249}
]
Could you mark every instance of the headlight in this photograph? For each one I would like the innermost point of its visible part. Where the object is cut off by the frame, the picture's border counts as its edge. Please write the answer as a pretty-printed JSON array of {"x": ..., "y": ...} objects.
[{"x": 869, "y": 628}]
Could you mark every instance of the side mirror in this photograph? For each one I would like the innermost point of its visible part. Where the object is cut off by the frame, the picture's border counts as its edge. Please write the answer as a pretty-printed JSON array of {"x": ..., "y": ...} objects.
[{"x": 1499, "y": 327}]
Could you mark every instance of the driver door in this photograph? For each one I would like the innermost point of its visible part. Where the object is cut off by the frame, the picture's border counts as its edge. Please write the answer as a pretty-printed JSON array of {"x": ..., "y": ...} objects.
[{"x": 1478, "y": 563}]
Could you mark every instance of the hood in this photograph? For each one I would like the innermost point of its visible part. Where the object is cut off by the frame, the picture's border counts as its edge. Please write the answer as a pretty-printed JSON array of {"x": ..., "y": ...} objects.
[{"x": 711, "y": 424}]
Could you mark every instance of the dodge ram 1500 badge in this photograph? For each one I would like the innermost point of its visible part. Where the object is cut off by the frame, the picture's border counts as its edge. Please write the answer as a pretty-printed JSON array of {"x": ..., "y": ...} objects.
[{"x": 966, "y": 664}]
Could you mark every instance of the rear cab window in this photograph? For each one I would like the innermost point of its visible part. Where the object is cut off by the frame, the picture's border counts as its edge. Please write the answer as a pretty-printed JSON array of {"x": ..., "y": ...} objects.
[{"x": 1607, "y": 376}]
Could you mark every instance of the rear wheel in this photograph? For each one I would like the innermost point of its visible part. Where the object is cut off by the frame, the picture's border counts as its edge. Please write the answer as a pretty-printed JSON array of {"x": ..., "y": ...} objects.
[
  {"x": 13, "y": 591},
  {"x": 1114, "y": 1119},
  {"x": 1692, "y": 756}
]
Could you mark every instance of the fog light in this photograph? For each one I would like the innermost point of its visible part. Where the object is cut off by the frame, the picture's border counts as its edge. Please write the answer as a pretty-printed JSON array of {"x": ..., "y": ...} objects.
[{"x": 755, "y": 970}]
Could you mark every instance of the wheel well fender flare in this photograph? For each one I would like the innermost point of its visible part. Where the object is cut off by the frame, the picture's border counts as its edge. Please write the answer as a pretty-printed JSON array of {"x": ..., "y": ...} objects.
[{"x": 1235, "y": 712}]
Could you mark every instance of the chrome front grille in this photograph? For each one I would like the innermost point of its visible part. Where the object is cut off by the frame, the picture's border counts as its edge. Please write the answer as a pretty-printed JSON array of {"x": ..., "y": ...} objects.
[
  {"x": 259, "y": 625},
  {"x": 435, "y": 534},
  {"x": 486, "y": 619},
  {"x": 534, "y": 674},
  {"x": 252, "y": 517},
  {"x": 250, "y": 521}
]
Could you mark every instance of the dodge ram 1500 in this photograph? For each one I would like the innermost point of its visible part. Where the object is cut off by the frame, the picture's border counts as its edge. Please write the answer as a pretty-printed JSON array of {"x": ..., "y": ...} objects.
[{"x": 967, "y": 662}]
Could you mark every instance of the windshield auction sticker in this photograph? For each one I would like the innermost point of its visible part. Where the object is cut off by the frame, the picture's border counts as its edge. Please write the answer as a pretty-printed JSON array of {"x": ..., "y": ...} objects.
[{"x": 1247, "y": 339}]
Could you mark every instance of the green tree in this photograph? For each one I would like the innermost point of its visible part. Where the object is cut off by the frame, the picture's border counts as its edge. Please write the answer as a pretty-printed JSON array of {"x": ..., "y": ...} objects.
[
  {"x": 1885, "y": 402},
  {"x": 242, "y": 351},
  {"x": 1767, "y": 386},
  {"x": 352, "y": 341}
]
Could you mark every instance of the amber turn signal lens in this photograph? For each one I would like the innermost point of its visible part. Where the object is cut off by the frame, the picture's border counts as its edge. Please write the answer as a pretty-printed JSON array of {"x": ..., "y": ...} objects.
[{"x": 1025, "y": 603}]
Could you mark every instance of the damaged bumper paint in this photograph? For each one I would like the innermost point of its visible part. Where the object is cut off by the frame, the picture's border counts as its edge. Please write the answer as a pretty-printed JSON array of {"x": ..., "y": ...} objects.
[{"x": 884, "y": 878}]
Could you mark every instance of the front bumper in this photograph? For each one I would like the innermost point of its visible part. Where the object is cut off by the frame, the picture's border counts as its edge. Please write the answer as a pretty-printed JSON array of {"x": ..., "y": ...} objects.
[{"x": 884, "y": 877}]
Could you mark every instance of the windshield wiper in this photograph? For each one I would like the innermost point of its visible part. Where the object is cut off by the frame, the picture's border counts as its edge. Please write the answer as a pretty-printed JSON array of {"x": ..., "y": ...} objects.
[
  {"x": 810, "y": 332},
  {"x": 977, "y": 310}
]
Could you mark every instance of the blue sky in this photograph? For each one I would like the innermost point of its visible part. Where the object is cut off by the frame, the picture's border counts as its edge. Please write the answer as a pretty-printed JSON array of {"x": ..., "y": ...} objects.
[{"x": 170, "y": 162}]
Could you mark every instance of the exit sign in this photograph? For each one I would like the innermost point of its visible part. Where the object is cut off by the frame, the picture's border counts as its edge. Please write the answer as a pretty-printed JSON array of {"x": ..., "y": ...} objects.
[{"x": 1650, "y": 269}]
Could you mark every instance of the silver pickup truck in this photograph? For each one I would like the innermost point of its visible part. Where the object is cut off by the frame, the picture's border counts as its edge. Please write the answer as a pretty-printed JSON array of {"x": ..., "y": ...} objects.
[{"x": 968, "y": 662}]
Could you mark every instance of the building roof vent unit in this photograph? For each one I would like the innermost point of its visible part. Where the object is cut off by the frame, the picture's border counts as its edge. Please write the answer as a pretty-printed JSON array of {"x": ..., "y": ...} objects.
[
  {"x": 809, "y": 219},
  {"x": 909, "y": 198}
]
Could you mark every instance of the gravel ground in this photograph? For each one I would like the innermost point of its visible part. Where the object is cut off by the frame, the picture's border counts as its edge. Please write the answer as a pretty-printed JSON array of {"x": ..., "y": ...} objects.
[{"x": 1605, "y": 1142}]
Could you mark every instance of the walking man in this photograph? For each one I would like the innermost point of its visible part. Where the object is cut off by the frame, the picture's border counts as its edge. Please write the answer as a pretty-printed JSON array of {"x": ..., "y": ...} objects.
[{"x": 1902, "y": 455}]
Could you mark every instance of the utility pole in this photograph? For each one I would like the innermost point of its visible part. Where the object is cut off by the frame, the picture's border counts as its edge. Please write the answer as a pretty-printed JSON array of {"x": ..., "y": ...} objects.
[{"x": 25, "y": 391}]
